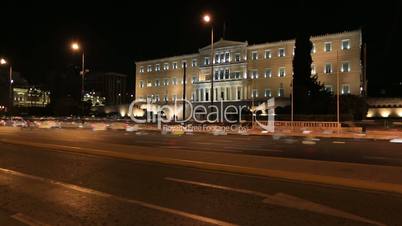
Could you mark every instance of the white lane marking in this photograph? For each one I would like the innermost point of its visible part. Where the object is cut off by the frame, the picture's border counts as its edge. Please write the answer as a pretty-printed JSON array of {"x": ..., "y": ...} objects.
[
  {"x": 284, "y": 200},
  {"x": 397, "y": 140},
  {"x": 338, "y": 142},
  {"x": 27, "y": 220},
  {"x": 382, "y": 158},
  {"x": 308, "y": 142},
  {"x": 244, "y": 191},
  {"x": 132, "y": 201}
]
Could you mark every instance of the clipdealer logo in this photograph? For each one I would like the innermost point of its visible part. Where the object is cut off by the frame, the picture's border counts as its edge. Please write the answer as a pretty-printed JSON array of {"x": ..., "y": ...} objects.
[{"x": 205, "y": 116}]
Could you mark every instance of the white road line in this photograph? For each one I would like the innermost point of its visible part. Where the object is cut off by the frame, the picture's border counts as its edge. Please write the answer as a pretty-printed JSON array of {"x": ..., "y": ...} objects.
[
  {"x": 382, "y": 158},
  {"x": 244, "y": 191},
  {"x": 107, "y": 195},
  {"x": 338, "y": 142},
  {"x": 308, "y": 142},
  {"x": 27, "y": 220},
  {"x": 284, "y": 200}
]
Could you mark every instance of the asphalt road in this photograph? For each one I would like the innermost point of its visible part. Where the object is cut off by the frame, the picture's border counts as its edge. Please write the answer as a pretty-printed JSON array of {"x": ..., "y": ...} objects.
[
  {"x": 339, "y": 150},
  {"x": 59, "y": 188}
]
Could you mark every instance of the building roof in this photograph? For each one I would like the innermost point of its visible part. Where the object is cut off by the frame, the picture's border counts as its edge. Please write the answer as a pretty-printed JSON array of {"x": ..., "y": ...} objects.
[{"x": 222, "y": 43}]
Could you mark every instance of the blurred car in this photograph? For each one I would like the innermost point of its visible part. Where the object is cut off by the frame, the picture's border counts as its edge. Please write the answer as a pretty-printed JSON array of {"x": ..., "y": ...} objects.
[
  {"x": 70, "y": 125},
  {"x": 48, "y": 124},
  {"x": 118, "y": 126},
  {"x": 18, "y": 122},
  {"x": 132, "y": 128},
  {"x": 99, "y": 126}
]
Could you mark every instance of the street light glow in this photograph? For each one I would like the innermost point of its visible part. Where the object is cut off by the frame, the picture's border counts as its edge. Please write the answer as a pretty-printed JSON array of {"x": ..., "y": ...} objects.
[
  {"x": 207, "y": 18},
  {"x": 3, "y": 61},
  {"x": 75, "y": 46}
]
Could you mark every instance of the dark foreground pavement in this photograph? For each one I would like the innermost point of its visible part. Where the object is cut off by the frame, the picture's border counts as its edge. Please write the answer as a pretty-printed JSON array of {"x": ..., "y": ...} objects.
[{"x": 41, "y": 187}]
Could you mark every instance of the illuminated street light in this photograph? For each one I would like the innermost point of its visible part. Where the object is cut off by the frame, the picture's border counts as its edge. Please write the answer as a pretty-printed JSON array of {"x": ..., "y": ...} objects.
[
  {"x": 3, "y": 61},
  {"x": 10, "y": 83},
  {"x": 75, "y": 46},
  {"x": 207, "y": 18}
]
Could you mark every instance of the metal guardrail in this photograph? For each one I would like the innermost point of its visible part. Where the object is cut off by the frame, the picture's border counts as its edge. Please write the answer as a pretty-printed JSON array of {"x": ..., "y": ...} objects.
[{"x": 309, "y": 124}]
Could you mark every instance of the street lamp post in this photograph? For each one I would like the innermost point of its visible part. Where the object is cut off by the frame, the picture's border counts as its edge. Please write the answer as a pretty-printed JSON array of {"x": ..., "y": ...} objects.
[
  {"x": 207, "y": 19},
  {"x": 76, "y": 47},
  {"x": 337, "y": 91},
  {"x": 10, "y": 84}
]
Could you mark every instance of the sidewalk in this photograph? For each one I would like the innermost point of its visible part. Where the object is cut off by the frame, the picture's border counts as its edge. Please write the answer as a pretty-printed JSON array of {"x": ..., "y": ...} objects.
[{"x": 361, "y": 176}]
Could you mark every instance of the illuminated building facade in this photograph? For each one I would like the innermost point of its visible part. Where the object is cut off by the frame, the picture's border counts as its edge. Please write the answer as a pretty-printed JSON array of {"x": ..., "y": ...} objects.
[{"x": 245, "y": 73}]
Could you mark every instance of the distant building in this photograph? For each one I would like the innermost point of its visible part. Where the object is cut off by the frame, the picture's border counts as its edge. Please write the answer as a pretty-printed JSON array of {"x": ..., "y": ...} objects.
[
  {"x": 106, "y": 88},
  {"x": 245, "y": 73},
  {"x": 30, "y": 97}
]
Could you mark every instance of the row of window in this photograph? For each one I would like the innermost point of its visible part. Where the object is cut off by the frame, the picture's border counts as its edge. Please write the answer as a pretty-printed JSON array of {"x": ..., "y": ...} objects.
[
  {"x": 166, "y": 66},
  {"x": 224, "y": 74},
  {"x": 345, "y": 45},
  {"x": 201, "y": 96},
  {"x": 225, "y": 57}
]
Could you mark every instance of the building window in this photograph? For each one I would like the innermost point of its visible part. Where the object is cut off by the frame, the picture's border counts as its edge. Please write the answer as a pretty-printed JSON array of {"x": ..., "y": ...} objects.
[
  {"x": 254, "y": 74},
  {"x": 149, "y": 83},
  {"x": 281, "y": 92},
  {"x": 183, "y": 64},
  {"x": 227, "y": 73},
  {"x": 194, "y": 63},
  {"x": 281, "y": 52},
  {"x": 142, "y": 70},
  {"x": 268, "y": 73},
  {"x": 194, "y": 79},
  {"x": 142, "y": 85},
  {"x": 157, "y": 83},
  {"x": 345, "y": 44},
  {"x": 157, "y": 67},
  {"x": 329, "y": 88},
  {"x": 174, "y": 65},
  {"x": 267, "y": 93},
  {"x": 345, "y": 67},
  {"x": 328, "y": 68},
  {"x": 268, "y": 54},
  {"x": 345, "y": 89},
  {"x": 165, "y": 98},
  {"x": 227, "y": 57},
  {"x": 216, "y": 75},
  {"x": 206, "y": 61},
  {"x": 165, "y": 66},
  {"x": 166, "y": 82},
  {"x": 237, "y": 75},
  {"x": 174, "y": 81},
  {"x": 327, "y": 46},
  {"x": 254, "y": 94},
  {"x": 281, "y": 72},
  {"x": 157, "y": 98},
  {"x": 313, "y": 49},
  {"x": 237, "y": 57},
  {"x": 149, "y": 68},
  {"x": 222, "y": 58},
  {"x": 221, "y": 74},
  {"x": 313, "y": 71},
  {"x": 238, "y": 94},
  {"x": 254, "y": 55},
  {"x": 174, "y": 97},
  {"x": 293, "y": 51}
]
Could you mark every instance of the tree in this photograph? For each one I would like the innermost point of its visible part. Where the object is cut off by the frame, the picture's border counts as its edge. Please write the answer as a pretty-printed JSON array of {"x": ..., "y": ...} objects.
[{"x": 310, "y": 96}]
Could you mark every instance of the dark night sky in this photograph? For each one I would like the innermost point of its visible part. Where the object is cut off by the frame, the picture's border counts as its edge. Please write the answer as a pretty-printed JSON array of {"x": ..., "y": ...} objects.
[{"x": 36, "y": 36}]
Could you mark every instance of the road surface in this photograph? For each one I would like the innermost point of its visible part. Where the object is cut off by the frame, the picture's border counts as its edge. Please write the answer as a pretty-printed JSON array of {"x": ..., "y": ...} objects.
[{"x": 43, "y": 187}]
